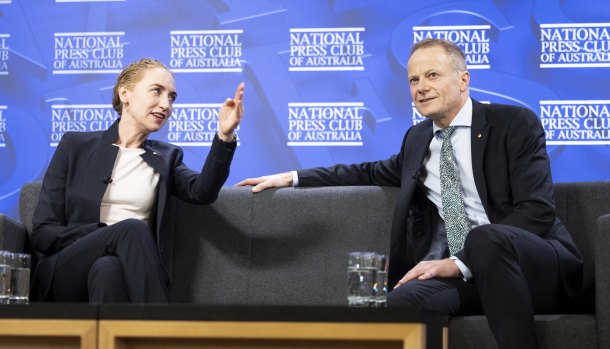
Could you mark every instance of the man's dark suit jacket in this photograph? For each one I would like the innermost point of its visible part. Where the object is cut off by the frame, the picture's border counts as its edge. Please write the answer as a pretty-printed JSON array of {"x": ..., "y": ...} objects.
[
  {"x": 512, "y": 176},
  {"x": 76, "y": 180}
]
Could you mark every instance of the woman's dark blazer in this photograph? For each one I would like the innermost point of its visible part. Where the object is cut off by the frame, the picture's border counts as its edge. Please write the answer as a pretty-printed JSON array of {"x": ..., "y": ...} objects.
[{"x": 76, "y": 180}]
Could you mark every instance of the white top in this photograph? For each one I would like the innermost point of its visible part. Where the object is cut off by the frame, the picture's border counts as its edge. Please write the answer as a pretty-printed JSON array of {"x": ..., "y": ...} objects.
[{"x": 132, "y": 193}]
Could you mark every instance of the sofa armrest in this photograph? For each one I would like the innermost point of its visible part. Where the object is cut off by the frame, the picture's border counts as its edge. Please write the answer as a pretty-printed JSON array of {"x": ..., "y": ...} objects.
[
  {"x": 12, "y": 234},
  {"x": 602, "y": 280}
]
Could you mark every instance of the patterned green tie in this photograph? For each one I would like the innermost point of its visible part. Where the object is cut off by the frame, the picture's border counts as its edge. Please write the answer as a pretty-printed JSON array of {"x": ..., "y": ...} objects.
[{"x": 456, "y": 223}]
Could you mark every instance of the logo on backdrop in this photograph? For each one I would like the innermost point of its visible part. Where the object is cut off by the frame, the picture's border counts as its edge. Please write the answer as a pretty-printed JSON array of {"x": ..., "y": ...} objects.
[
  {"x": 326, "y": 49},
  {"x": 472, "y": 39},
  {"x": 575, "y": 45},
  {"x": 193, "y": 125},
  {"x": 90, "y": 0},
  {"x": 4, "y": 53},
  {"x": 415, "y": 115},
  {"x": 189, "y": 125},
  {"x": 79, "y": 118},
  {"x": 2, "y": 125},
  {"x": 325, "y": 124},
  {"x": 576, "y": 122},
  {"x": 88, "y": 53},
  {"x": 206, "y": 51}
]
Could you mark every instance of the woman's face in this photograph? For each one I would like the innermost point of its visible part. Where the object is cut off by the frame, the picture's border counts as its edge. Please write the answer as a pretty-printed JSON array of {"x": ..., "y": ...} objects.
[{"x": 150, "y": 101}]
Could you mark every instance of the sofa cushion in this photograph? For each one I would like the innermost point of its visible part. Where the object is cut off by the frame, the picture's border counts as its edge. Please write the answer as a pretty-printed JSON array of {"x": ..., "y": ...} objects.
[
  {"x": 12, "y": 235},
  {"x": 282, "y": 246},
  {"x": 554, "y": 331},
  {"x": 578, "y": 205},
  {"x": 28, "y": 199}
]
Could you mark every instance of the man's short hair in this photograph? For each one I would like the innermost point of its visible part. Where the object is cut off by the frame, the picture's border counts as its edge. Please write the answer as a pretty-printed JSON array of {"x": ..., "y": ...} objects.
[{"x": 459, "y": 59}]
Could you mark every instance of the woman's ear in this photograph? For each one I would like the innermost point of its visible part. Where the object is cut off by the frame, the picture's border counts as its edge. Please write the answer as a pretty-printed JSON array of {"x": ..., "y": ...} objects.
[{"x": 123, "y": 94}]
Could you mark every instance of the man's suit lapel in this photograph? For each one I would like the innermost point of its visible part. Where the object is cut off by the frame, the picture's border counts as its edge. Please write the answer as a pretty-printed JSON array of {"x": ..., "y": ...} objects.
[
  {"x": 414, "y": 151},
  {"x": 416, "y": 148},
  {"x": 479, "y": 135}
]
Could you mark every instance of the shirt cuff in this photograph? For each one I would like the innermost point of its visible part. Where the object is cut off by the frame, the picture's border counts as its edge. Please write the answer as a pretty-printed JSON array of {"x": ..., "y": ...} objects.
[
  {"x": 295, "y": 179},
  {"x": 466, "y": 273}
]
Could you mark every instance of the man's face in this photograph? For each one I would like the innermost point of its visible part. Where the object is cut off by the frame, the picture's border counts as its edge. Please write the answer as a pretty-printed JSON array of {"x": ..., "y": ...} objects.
[{"x": 437, "y": 88}]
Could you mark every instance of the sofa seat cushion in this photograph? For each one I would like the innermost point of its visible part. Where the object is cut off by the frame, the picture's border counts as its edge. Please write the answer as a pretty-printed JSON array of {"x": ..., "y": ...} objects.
[{"x": 554, "y": 331}]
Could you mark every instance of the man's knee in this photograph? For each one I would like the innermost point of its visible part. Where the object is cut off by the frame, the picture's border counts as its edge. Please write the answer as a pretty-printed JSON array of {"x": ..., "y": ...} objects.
[
  {"x": 487, "y": 243},
  {"x": 486, "y": 237},
  {"x": 437, "y": 295},
  {"x": 413, "y": 293},
  {"x": 400, "y": 297}
]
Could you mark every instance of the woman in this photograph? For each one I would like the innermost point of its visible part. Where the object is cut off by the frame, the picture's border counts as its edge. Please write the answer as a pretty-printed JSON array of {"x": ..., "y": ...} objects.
[{"x": 104, "y": 196}]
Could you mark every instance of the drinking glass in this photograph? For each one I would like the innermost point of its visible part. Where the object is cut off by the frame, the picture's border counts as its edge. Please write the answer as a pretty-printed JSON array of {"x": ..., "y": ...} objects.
[
  {"x": 361, "y": 278},
  {"x": 380, "y": 287},
  {"x": 20, "y": 278},
  {"x": 6, "y": 264}
]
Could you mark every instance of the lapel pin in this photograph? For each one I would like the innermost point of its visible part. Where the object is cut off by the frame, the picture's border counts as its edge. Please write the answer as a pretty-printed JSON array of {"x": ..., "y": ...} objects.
[{"x": 479, "y": 135}]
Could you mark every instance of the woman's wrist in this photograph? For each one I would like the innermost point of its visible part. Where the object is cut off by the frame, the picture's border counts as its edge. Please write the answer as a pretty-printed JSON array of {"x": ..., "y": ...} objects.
[{"x": 231, "y": 138}]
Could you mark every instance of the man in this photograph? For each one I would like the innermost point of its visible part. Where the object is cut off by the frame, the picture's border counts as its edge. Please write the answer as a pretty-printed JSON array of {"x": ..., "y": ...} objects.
[{"x": 474, "y": 228}]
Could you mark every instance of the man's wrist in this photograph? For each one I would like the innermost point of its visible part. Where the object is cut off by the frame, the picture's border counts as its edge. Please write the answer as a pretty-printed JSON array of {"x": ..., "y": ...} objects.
[
  {"x": 464, "y": 271},
  {"x": 295, "y": 178}
]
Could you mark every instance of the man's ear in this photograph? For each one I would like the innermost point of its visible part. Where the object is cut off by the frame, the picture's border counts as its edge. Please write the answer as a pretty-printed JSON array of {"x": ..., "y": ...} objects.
[{"x": 465, "y": 80}]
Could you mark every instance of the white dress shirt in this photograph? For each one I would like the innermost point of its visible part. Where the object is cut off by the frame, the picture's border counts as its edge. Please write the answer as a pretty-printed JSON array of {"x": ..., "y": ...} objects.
[{"x": 475, "y": 213}]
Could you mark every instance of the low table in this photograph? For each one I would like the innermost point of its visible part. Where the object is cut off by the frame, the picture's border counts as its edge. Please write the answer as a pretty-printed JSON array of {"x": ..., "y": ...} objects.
[
  {"x": 181, "y": 326},
  {"x": 48, "y": 325},
  {"x": 189, "y": 326}
]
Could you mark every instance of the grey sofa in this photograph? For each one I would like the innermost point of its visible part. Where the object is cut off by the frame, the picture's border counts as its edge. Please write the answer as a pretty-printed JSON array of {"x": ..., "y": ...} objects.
[{"x": 288, "y": 247}]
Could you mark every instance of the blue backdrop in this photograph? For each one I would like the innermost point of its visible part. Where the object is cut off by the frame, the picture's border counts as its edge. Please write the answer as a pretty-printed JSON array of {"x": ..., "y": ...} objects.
[{"x": 326, "y": 79}]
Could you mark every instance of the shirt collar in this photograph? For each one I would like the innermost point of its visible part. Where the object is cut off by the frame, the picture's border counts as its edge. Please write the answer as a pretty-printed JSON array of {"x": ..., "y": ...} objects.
[{"x": 463, "y": 117}]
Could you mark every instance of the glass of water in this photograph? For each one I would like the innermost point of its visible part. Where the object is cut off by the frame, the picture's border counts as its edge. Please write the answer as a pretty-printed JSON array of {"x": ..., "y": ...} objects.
[
  {"x": 6, "y": 264},
  {"x": 361, "y": 268},
  {"x": 20, "y": 278},
  {"x": 380, "y": 286},
  {"x": 367, "y": 279}
]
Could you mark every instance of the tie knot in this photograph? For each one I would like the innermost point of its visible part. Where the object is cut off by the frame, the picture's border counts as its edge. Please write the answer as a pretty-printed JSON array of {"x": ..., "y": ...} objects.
[{"x": 447, "y": 132}]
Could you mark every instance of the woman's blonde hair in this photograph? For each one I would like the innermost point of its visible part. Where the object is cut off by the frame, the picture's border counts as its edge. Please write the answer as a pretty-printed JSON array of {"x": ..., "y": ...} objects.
[{"x": 130, "y": 76}]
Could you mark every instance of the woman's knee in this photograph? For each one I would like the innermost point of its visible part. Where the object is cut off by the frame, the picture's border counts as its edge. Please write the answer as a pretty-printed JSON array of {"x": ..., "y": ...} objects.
[
  {"x": 106, "y": 281},
  {"x": 134, "y": 229},
  {"x": 105, "y": 268},
  {"x": 133, "y": 223}
]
